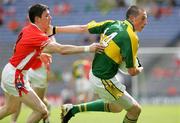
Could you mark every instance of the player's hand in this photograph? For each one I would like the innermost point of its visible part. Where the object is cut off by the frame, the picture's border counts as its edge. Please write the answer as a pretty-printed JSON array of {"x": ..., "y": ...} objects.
[
  {"x": 46, "y": 58},
  {"x": 96, "y": 47},
  {"x": 135, "y": 71},
  {"x": 49, "y": 31},
  {"x": 140, "y": 69}
]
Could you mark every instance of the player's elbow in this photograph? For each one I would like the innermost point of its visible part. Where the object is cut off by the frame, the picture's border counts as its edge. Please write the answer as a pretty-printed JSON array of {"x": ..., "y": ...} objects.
[{"x": 63, "y": 52}]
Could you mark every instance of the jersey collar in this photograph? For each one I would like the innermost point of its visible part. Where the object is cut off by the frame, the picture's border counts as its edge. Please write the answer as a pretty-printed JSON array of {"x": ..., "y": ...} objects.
[{"x": 129, "y": 24}]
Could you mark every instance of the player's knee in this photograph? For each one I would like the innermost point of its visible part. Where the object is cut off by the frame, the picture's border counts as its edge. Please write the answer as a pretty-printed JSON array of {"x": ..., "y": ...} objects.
[
  {"x": 45, "y": 112},
  {"x": 135, "y": 110}
]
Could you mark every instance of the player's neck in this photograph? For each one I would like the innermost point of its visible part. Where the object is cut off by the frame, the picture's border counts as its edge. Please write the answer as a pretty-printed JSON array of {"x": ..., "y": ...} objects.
[{"x": 40, "y": 27}]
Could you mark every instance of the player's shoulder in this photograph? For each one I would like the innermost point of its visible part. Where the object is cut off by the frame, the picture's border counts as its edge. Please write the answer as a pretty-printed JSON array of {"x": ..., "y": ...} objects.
[
  {"x": 100, "y": 23},
  {"x": 31, "y": 31},
  {"x": 109, "y": 22}
]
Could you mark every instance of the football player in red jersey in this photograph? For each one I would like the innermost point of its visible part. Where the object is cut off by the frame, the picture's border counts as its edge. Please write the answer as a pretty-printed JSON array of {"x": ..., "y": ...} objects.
[{"x": 31, "y": 42}]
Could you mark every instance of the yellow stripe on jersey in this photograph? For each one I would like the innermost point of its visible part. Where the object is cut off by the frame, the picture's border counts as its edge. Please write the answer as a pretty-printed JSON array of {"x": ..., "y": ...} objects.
[
  {"x": 94, "y": 23},
  {"x": 129, "y": 24},
  {"x": 112, "y": 89},
  {"x": 80, "y": 110},
  {"x": 85, "y": 107},
  {"x": 112, "y": 50},
  {"x": 134, "y": 42}
]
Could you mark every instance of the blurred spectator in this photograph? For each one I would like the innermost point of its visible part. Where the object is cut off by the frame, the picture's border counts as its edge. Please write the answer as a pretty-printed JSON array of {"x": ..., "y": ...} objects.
[
  {"x": 81, "y": 68},
  {"x": 11, "y": 11},
  {"x": 159, "y": 8},
  {"x": 120, "y": 3},
  {"x": 8, "y": 2},
  {"x": 89, "y": 7},
  {"x": 172, "y": 3},
  {"x": 106, "y": 5},
  {"x": 26, "y": 22},
  {"x": 1, "y": 15},
  {"x": 177, "y": 62},
  {"x": 1, "y": 2},
  {"x": 67, "y": 95},
  {"x": 62, "y": 9},
  {"x": 14, "y": 25},
  {"x": 130, "y": 2}
]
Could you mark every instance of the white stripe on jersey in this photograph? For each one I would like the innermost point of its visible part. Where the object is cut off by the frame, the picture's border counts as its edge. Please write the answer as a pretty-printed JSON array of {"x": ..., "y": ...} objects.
[{"x": 22, "y": 64}]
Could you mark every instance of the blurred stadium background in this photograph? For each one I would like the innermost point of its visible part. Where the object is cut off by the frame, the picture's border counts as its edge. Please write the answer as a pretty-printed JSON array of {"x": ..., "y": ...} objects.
[{"x": 159, "y": 44}]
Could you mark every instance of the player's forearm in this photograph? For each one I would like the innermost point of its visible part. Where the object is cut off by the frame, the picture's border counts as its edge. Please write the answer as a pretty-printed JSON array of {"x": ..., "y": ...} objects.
[
  {"x": 72, "y": 29},
  {"x": 71, "y": 49},
  {"x": 66, "y": 49}
]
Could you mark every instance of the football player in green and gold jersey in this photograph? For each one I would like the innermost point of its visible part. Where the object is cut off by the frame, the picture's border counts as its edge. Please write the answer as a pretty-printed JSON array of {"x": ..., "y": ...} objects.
[{"x": 121, "y": 45}]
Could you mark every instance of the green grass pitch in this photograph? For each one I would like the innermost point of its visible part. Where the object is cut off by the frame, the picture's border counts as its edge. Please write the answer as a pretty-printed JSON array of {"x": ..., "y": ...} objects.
[{"x": 150, "y": 114}]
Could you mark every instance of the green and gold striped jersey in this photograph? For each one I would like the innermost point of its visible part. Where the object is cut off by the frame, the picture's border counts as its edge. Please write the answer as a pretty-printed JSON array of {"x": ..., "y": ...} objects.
[{"x": 121, "y": 44}]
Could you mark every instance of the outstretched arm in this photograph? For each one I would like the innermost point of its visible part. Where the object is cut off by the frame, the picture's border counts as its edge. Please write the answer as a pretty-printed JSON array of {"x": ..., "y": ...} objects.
[
  {"x": 68, "y": 29},
  {"x": 72, "y": 29},
  {"x": 54, "y": 47}
]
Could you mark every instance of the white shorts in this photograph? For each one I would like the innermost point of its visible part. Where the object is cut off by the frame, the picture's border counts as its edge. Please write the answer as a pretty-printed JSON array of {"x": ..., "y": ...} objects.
[
  {"x": 38, "y": 77},
  {"x": 112, "y": 91},
  {"x": 8, "y": 80}
]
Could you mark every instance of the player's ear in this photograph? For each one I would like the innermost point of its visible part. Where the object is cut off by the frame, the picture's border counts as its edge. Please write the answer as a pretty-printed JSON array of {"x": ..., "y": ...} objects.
[
  {"x": 36, "y": 19},
  {"x": 132, "y": 18}
]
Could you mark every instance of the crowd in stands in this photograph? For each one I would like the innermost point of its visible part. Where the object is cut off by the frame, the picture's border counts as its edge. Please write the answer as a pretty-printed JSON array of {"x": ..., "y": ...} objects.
[{"x": 157, "y": 8}]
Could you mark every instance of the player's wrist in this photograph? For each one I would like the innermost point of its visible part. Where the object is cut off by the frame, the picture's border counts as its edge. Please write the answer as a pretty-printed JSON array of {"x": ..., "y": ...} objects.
[
  {"x": 86, "y": 49},
  {"x": 54, "y": 30}
]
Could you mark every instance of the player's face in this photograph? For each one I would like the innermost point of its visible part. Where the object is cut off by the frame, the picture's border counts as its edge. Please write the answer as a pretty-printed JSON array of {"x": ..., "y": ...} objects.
[
  {"x": 140, "y": 21},
  {"x": 45, "y": 20}
]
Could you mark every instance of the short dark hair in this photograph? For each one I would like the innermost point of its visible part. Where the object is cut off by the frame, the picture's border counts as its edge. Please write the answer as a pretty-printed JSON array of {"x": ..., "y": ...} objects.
[
  {"x": 133, "y": 11},
  {"x": 36, "y": 10}
]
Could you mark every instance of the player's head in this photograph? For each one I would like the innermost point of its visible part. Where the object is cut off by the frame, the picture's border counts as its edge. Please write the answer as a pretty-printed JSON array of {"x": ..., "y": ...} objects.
[
  {"x": 137, "y": 16},
  {"x": 39, "y": 14}
]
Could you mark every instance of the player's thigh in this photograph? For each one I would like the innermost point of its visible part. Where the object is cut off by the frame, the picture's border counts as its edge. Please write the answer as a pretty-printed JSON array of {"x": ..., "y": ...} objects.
[
  {"x": 126, "y": 101},
  {"x": 12, "y": 103},
  {"x": 112, "y": 91},
  {"x": 109, "y": 90},
  {"x": 8, "y": 78},
  {"x": 40, "y": 92},
  {"x": 34, "y": 102}
]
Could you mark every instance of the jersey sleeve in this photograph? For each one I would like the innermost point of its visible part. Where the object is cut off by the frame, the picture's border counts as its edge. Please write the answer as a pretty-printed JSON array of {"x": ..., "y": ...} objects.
[
  {"x": 131, "y": 59},
  {"x": 98, "y": 27},
  {"x": 129, "y": 50}
]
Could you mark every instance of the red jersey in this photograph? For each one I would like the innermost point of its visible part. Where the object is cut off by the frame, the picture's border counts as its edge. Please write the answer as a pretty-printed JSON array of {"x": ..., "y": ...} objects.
[
  {"x": 28, "y": 47},
  {"x": 36, "y": 64}
]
